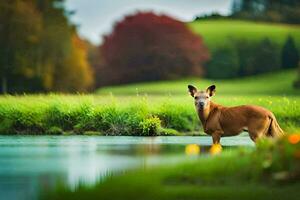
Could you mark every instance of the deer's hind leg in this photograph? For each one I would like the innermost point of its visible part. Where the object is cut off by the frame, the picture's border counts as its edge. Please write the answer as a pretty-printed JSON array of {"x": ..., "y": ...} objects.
[{"x": 258, "y": 128}]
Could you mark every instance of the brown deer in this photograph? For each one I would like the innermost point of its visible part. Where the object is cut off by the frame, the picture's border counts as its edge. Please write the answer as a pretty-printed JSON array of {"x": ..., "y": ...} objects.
[{"x": 219, "y": 121}]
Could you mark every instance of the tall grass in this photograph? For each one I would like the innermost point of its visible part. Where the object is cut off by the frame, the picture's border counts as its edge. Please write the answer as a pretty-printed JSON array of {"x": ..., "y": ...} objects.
[{"x": 122, "y": 115}]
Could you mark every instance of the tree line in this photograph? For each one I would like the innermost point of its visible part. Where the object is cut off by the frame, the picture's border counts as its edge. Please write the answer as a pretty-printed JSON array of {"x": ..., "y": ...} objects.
[
  {"x": 241, "y": 57},
  {"x": 41, "y": 51},
  {"x": 283, "y": 11},
  {"x": 40, "y": 48},
  {"x": 148, "y": 47},
  {"x": 280, "y": 11}
]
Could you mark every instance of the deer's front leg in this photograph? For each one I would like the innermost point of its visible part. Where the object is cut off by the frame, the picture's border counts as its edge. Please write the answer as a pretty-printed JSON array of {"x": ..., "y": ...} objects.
[{"x": 216, "y": 136}]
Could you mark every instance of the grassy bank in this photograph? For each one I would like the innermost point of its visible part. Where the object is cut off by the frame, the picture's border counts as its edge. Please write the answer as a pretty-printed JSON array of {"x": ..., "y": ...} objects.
[
  {"x": 219, "y": 32},
  {"x": 162, "y": 108},
  {"x": 271, "y": 171}
]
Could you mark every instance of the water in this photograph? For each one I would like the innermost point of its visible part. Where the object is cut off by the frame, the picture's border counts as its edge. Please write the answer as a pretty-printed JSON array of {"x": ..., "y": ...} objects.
[{"x": 33, "y": 164}]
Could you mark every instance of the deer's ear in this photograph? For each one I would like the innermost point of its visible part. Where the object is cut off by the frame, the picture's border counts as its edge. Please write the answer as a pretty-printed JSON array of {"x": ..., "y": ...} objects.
[
  {"x": 192, "y": 90},
  {"x": 211, "y": 90}
]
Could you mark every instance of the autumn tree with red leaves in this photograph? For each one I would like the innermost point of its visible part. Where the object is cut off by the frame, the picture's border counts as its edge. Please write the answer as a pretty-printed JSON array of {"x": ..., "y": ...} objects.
[{"x": 147, "y": 47}]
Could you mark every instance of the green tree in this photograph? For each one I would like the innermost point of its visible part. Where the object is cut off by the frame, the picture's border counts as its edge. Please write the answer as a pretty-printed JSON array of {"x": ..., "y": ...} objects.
[
  {"x": 75, "y": 74},
  {"x": 245, "y": 50},
  {"x": 266, "y": 57},
  {"x": 38, "y": 50},
  {"x": 287, "y": 11},
  {"x": 224, "y": 63},
  {"x": 20, "y": 31},
  {"x": 289, "y": 54},
  {"x": 257, "y": 57}
]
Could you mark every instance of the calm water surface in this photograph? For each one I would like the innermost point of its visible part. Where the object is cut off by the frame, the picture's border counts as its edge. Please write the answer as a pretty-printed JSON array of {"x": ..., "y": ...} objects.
[{"x": 33, "y": 164}]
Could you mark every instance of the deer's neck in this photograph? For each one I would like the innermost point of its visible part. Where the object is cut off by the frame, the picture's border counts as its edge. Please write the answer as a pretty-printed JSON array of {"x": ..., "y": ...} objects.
[{"x": 205, "y": 113}]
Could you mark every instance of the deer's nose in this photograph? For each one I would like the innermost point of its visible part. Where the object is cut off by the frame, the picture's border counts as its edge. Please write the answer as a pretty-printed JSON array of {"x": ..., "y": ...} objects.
[{"x": 201, "y": 103}]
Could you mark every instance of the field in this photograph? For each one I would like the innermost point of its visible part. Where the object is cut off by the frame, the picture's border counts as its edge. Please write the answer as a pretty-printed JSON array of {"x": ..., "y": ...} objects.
[
  {"x": 278, "y": 84},
  {"x": 161, "y": 108},
  {"x": 217, "y": 32}
]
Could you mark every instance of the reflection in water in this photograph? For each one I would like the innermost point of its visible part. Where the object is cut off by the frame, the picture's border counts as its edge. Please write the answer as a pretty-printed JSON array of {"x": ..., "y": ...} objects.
[{"x": 32, "y": 164}]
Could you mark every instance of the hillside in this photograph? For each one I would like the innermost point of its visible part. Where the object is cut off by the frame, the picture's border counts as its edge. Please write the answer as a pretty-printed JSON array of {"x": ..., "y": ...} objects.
[
  {"x": 218, "y": 32},
  {"x": 279, "y": 83}
]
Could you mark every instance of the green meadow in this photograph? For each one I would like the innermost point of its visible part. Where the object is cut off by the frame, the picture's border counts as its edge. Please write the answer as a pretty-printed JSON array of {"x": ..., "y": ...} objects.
[
  {"x": 160, "y": 108},
  {"x": 279, "y": 84},
  {"x": 219, "y": 32}
]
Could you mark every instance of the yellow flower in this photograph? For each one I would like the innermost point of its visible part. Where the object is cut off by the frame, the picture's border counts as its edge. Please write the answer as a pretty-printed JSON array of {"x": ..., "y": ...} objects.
[
  {"x": 215, "y": 149},
  {"x": 294, "y": 138},
  {"x": 192, "y": 149}
]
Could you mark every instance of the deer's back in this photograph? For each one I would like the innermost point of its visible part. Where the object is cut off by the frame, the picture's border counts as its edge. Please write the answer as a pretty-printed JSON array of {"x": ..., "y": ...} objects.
[{"x": 234, "y": 120}]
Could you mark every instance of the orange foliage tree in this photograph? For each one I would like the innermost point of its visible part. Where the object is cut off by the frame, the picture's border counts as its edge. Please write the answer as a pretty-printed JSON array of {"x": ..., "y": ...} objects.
[{"x": 75, "y": 73}]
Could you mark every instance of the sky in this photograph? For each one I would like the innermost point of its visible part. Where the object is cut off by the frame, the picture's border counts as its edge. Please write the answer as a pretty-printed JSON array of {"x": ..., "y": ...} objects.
[{"x": 96, "y": 18}]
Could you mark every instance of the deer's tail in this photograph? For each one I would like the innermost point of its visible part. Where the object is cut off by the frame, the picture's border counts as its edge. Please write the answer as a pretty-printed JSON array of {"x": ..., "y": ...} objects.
[{"x": 274, "y": 129}]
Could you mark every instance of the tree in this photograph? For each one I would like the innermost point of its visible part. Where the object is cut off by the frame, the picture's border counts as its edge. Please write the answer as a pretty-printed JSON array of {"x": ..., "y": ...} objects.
[
  {"x": 145, "y": 47},
  {"x": 286, "y": 11},
  {"x": 224, "y": 63},
  {"x": 95, "y": 59},
  {"x": 257, "y": 57},
  {"x": 75, "y": 73},
  {"x": 20, "y": 31},
  {"x": 289, "y": 54},
  {"x": 245, "y": 50},
  {"x": 266, "y": 57},
  {"x": 38, "y": 50}
]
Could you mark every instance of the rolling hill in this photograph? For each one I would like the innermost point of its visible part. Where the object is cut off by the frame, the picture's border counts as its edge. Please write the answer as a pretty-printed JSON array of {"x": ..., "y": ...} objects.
[
  {"x": 279, "y": 83},
  {"x": 217, "y": 32}
]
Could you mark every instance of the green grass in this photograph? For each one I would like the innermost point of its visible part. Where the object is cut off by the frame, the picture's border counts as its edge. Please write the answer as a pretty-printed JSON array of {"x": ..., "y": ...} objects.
[
  {"x": 279, "y": 83},
  {"x": 161, "y": 108},
  {"x": 219, "y": 32},
  {"x": 271, "y": 171}
]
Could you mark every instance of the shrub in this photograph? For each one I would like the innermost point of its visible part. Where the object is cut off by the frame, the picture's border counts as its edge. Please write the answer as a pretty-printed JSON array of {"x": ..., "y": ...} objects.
[
  {"x": 168, "y": 132},
  {"x": 55, "y": 131},
  {"x": 150, "y": 126}
]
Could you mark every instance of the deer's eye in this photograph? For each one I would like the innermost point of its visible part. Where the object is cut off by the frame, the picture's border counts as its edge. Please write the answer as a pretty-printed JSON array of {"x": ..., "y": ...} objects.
[{"x": 196, "y": 98}]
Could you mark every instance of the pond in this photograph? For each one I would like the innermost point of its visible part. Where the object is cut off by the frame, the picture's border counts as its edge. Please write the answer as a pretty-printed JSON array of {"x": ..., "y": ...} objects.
[{"x": 33, "y": 164}]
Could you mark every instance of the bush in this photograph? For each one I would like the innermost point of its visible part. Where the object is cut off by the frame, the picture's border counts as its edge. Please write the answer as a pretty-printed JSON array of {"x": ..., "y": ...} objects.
[
  {"x": 168, "y": 132},
  {"x": 55, "y": 131},
  {"x": 150, "y": 126}
]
